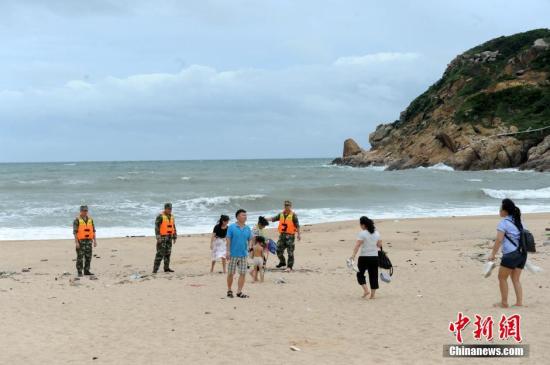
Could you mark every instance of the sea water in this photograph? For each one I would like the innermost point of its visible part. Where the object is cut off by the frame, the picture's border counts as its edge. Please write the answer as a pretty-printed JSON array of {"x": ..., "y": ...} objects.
[{"x": 40, "y": 200}]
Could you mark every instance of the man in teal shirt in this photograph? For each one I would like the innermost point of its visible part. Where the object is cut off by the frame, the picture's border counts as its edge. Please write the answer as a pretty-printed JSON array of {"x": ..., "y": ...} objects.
[{"x": 239, "y": 239}]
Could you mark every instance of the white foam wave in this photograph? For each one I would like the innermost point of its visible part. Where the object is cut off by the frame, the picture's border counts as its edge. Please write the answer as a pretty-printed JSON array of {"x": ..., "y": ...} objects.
[
  {"x": 440, "y": 167},
  {"x": 69, "y": 164},
  {"x": 377, "y": 168},
  {"x": 474, "y": 180},
  {"x": 33, "y": 182},
  {"x": 207, "y": 203},
  {"x": 371, "y": 167},
  {"x": 204, "y": 223},
  {"x": 512, "y": 169},
  {"x": 185, "y": 178},
  {"x": 76, "y": 182},
  {"x": 543, "y": 193}
]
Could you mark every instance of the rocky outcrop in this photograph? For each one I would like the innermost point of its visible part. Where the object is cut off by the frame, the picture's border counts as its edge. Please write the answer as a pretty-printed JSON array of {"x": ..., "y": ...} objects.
[
  {"x": 489, "y": 110},
  {"x": 539, "y": 157}
]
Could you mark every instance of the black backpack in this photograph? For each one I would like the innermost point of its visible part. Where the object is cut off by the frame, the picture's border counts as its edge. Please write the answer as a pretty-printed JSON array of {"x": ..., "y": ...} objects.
[
  {"x": 526, "y": 241},
  {"x": 384, "y": 261}
]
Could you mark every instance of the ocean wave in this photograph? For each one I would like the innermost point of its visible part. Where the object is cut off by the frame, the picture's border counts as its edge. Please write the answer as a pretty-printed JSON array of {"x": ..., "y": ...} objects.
[
  {"x": 69, "y": 164},
  {"x": 76, "y": 182},
  {"x": 194, "y": 224},
  {"x": 185, "y": 178},
  {"x": 439, "y": 167},
  {"x": 543, "y": 193},
  {"x": 33, "y": 182},
  {"x": 207, "y": 203},
  {"x": 512, "y": 169},
  {"x": 474, "y": 180},
  {"x": 346, "y": 167}
]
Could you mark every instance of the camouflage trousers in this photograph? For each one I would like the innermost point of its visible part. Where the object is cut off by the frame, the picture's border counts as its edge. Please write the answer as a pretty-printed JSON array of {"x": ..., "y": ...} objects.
[
  {"x": 84, "y": 255},
  {"x": 286, "y": 242},
  {"x": 164, "y": 250}
]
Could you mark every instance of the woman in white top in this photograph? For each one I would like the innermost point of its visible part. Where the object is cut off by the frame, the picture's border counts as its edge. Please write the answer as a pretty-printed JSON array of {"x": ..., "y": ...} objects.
[{"x": 369, "y": 242}]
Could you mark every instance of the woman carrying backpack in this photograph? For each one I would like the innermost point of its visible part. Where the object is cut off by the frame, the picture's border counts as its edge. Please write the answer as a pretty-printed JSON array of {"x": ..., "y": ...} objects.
[
  {"x": 514, "y": 255},
  {"x": 369, "y": 242}
]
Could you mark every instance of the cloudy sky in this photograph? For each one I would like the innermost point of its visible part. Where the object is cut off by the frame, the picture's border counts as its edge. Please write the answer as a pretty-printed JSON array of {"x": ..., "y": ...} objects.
[{"x": 206, "y": 79}]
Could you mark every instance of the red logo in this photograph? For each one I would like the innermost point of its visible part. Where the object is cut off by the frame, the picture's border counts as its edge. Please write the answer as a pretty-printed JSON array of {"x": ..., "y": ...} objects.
[
  {"x": 458, "y": 326},
  {"x": 508, "y": 327},
  {"x": 484, "y": 327}
]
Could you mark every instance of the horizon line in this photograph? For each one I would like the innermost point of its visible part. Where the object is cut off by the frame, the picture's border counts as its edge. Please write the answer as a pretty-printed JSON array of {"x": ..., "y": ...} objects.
[{"x": 167, "y": 160}]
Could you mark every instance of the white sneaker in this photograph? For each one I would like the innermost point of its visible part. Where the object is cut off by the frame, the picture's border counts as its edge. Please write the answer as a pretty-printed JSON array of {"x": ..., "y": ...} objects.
[
  {"x": 488, "y": 268},
  {"x": 532, "y": 268},
  {"x": 385, "y": 277},
  {"x": 351, "y": 265}
]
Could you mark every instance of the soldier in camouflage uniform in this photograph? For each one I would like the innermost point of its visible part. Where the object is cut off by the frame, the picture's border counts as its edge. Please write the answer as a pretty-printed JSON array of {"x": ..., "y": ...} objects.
[
  {"x": 289, "y": 229},
  {"x": 84, "y": 237},
  {"x": 165, "y": 232}
]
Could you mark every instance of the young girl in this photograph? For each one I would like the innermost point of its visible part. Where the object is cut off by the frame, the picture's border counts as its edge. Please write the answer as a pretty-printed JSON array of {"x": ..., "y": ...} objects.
[
  {"x": 218, "y": 242},
  {"x": 258, "y": 258},
  {"x": 513, "y": 258},
  {"x": 259, "y": 231},
  {"x": 369, "y": 242}
]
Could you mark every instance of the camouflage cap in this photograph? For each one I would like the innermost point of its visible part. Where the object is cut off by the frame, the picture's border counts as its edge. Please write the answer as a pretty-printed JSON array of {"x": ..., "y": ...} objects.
[
  {"x": 168, "y": 206},
  {"x": 288, "y": 203},
  {"x": 83, "y": 208}
]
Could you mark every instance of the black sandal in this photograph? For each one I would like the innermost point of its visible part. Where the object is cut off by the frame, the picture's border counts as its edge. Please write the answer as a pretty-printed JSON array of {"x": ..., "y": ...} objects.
[
  {"x": 242, "y": 295},
  {"x": 229, "y": 294}
]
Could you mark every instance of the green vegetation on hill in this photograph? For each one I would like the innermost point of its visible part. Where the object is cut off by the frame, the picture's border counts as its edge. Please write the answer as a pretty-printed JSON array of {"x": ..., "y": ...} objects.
[
  {"x": 466, "y": 81},
  {"x": 522, "y": 106}
]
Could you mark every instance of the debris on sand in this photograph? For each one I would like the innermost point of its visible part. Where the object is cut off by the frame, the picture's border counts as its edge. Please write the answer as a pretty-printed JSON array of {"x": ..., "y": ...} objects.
[
  {"x": 7, "y": 274},
  {"x": 294, "y": 348}
]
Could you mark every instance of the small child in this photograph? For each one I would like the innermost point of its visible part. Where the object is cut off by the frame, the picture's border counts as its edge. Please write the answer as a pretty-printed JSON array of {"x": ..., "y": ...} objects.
[{"x": 258, "y": 258}]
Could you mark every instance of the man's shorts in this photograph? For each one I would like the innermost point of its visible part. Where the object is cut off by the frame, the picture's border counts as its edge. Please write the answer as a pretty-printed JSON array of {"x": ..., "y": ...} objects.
[{"x": 238, "y": 265}]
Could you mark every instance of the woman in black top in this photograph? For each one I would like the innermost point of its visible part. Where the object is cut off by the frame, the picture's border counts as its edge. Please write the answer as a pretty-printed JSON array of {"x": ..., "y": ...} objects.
[{"x": 218, "y": 243}]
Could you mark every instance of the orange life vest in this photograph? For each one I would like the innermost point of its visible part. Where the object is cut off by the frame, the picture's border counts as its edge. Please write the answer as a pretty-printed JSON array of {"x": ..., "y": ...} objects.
[
  {"x": 167, "y": 225},
  {"x": 85, "y": 229},
  {"x": 286, "y": 224}
]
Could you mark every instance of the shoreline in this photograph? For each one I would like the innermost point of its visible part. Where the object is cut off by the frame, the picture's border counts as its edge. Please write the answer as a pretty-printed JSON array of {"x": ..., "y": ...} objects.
[{"x": 273, "y": 228}]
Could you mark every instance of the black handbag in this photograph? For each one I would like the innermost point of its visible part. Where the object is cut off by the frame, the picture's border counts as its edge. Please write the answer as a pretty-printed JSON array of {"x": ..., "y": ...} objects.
[{"x": 384, "y": 261}]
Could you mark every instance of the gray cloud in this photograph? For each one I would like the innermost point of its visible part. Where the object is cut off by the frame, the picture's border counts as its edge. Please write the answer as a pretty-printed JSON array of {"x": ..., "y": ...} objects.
[{"x": 212, "y": 79}]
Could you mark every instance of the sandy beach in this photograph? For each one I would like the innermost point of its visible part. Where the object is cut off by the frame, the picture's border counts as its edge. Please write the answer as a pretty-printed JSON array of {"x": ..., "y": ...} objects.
[{"x": 49, "y": 318}]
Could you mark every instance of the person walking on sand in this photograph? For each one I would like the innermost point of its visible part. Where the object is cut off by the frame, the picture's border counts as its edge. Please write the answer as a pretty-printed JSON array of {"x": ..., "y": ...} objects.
[
  {"x": 289, "y": 229},
  {"x": 84, "y": 238},
  {"x": 166, "y": 235},
  {"x": 369, "y": 242},
  {"x": 218, "y": 243},
  {"x": 513, "y": 254},
  {"x": 239, "y": 239}
]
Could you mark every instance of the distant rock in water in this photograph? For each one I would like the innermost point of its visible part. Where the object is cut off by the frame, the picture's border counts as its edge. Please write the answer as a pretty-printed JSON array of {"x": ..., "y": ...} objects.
[
  {"x": 351, "y": 148},
  {"x": 490, "y": 109}
]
